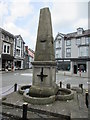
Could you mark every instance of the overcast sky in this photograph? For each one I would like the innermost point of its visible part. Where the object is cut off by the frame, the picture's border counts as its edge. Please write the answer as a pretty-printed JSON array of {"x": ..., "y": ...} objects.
[{"x": 22, "y": 16}]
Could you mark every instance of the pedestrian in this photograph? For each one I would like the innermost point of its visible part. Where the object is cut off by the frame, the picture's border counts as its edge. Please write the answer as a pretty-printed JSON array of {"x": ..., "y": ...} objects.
[
  {"x": 12, "y": 68},
  {"x": 80, "y": 71}
]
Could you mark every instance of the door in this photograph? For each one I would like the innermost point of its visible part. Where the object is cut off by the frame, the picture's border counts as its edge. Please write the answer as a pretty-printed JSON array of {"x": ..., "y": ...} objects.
[{"x": 75, "y": 69}]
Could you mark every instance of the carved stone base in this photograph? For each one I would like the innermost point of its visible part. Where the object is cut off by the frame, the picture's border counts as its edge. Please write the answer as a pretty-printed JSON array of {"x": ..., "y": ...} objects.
[{"x": 36, "y": 91}]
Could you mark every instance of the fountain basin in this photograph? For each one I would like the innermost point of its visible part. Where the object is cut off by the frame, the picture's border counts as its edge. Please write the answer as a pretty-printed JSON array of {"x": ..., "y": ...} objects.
[
  {"x": 22, "y": 89},
  {"x": 64, "y": 94},
  {"x": 41, "y": 98},
  {"x": 38, "y": 100}
]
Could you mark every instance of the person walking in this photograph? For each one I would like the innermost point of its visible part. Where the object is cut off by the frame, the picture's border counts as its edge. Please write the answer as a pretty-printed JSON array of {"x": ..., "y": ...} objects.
[{"x": 12, "y": 68}]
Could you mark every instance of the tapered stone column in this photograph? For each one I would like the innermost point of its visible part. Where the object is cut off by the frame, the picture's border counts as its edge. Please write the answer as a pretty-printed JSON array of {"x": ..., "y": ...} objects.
[{"x": 44, "y": 65}]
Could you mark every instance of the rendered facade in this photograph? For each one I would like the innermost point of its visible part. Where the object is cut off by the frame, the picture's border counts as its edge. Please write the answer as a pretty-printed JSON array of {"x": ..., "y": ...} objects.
[
  {"x": 19, "y": 49},
  {"x": 72, "y": 51}
]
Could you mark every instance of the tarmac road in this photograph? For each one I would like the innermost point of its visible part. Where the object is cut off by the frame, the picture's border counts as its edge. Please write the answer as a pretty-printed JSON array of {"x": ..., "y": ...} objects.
[{"x": 22, "y": 77}]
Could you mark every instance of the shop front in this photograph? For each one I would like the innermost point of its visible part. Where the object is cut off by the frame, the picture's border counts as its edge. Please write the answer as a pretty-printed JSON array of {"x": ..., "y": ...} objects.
[
  {"x": 7, "y": 61},
  {"x": 79, "y": 65},
  {"x": 18, "y": 64}
]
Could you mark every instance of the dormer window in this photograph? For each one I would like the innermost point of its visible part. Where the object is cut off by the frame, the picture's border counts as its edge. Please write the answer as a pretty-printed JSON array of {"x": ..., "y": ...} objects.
[
  {"x": 80, "y": 31},
  {"x": 59, "y": 38}
]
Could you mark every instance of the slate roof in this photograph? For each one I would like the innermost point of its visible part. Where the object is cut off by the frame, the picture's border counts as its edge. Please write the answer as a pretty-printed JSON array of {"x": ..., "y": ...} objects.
[
  {"x": 16, "y": 36},
  {"x": 6, "y": 33},
  {"x": 74, "y": 34}
]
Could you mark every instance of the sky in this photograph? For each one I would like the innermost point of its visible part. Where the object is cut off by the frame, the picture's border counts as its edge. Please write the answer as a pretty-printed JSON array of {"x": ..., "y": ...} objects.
[{"x": 21, "y": 17}]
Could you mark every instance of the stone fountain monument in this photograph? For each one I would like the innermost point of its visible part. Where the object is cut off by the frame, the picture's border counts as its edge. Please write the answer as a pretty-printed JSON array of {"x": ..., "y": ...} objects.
[
  {"x": 43, "y": 88},
  {"x": 44, "y": 96}
]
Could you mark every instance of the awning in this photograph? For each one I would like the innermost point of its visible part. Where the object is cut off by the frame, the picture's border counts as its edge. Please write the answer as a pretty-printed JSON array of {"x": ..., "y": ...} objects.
[{"x": 7, "y": 57}]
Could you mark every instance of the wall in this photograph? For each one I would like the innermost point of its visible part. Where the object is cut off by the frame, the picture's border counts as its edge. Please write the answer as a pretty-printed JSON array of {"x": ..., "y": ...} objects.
[
  {"x": 74, "y": 49},
  {"x": 0, "y": 43}
]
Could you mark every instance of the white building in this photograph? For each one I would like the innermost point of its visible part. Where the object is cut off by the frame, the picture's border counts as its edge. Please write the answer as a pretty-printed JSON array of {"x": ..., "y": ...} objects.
[
  {"x": 19, "y": 48},
  {"x": 72, "y": 51}
]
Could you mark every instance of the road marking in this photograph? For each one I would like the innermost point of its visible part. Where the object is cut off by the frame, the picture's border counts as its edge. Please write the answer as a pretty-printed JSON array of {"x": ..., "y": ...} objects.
[{"x": 27, "y": 74}]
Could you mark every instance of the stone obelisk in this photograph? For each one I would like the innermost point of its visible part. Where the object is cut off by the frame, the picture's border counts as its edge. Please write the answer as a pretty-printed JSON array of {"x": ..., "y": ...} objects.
[
  {"x": 44, "y": 46},
  {"x": 44, "y": 65}
]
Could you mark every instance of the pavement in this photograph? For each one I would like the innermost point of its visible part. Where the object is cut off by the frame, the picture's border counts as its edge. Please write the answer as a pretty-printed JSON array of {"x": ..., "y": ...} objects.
[{"x": 75, "y": 108}]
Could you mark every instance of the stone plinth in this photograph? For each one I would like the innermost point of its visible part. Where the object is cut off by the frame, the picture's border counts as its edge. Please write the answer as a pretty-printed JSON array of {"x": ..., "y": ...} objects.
[{"x": 44, "y": 78}]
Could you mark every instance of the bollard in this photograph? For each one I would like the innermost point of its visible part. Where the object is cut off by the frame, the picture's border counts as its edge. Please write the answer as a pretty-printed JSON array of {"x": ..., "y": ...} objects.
[
  {"x": 81, "y": 86},
  {"x": 15, "y": 87},
  {"x": 25, "y": 105},
  {"x": 60, "y": 84},
  {"x": 68, "y": 86},
  {"x": 86, "y": 98}
]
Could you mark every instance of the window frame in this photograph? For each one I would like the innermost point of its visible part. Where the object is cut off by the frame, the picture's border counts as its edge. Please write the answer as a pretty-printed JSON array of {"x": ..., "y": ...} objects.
[
  {"x": 79, "y": 41},
  {"x": 58, "y": 43},
  {"x": 18, "y": 52},
  {"x": 18, "y": 42},
  {"x": 83, "y": 51},
  {"x": 67, "y": 42},
  {"x": 58, "y": 53},
  {"x": 68, "y": 54},
  {"x": 6, "y": 51},
  {"x": 86, "y": 40}
]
